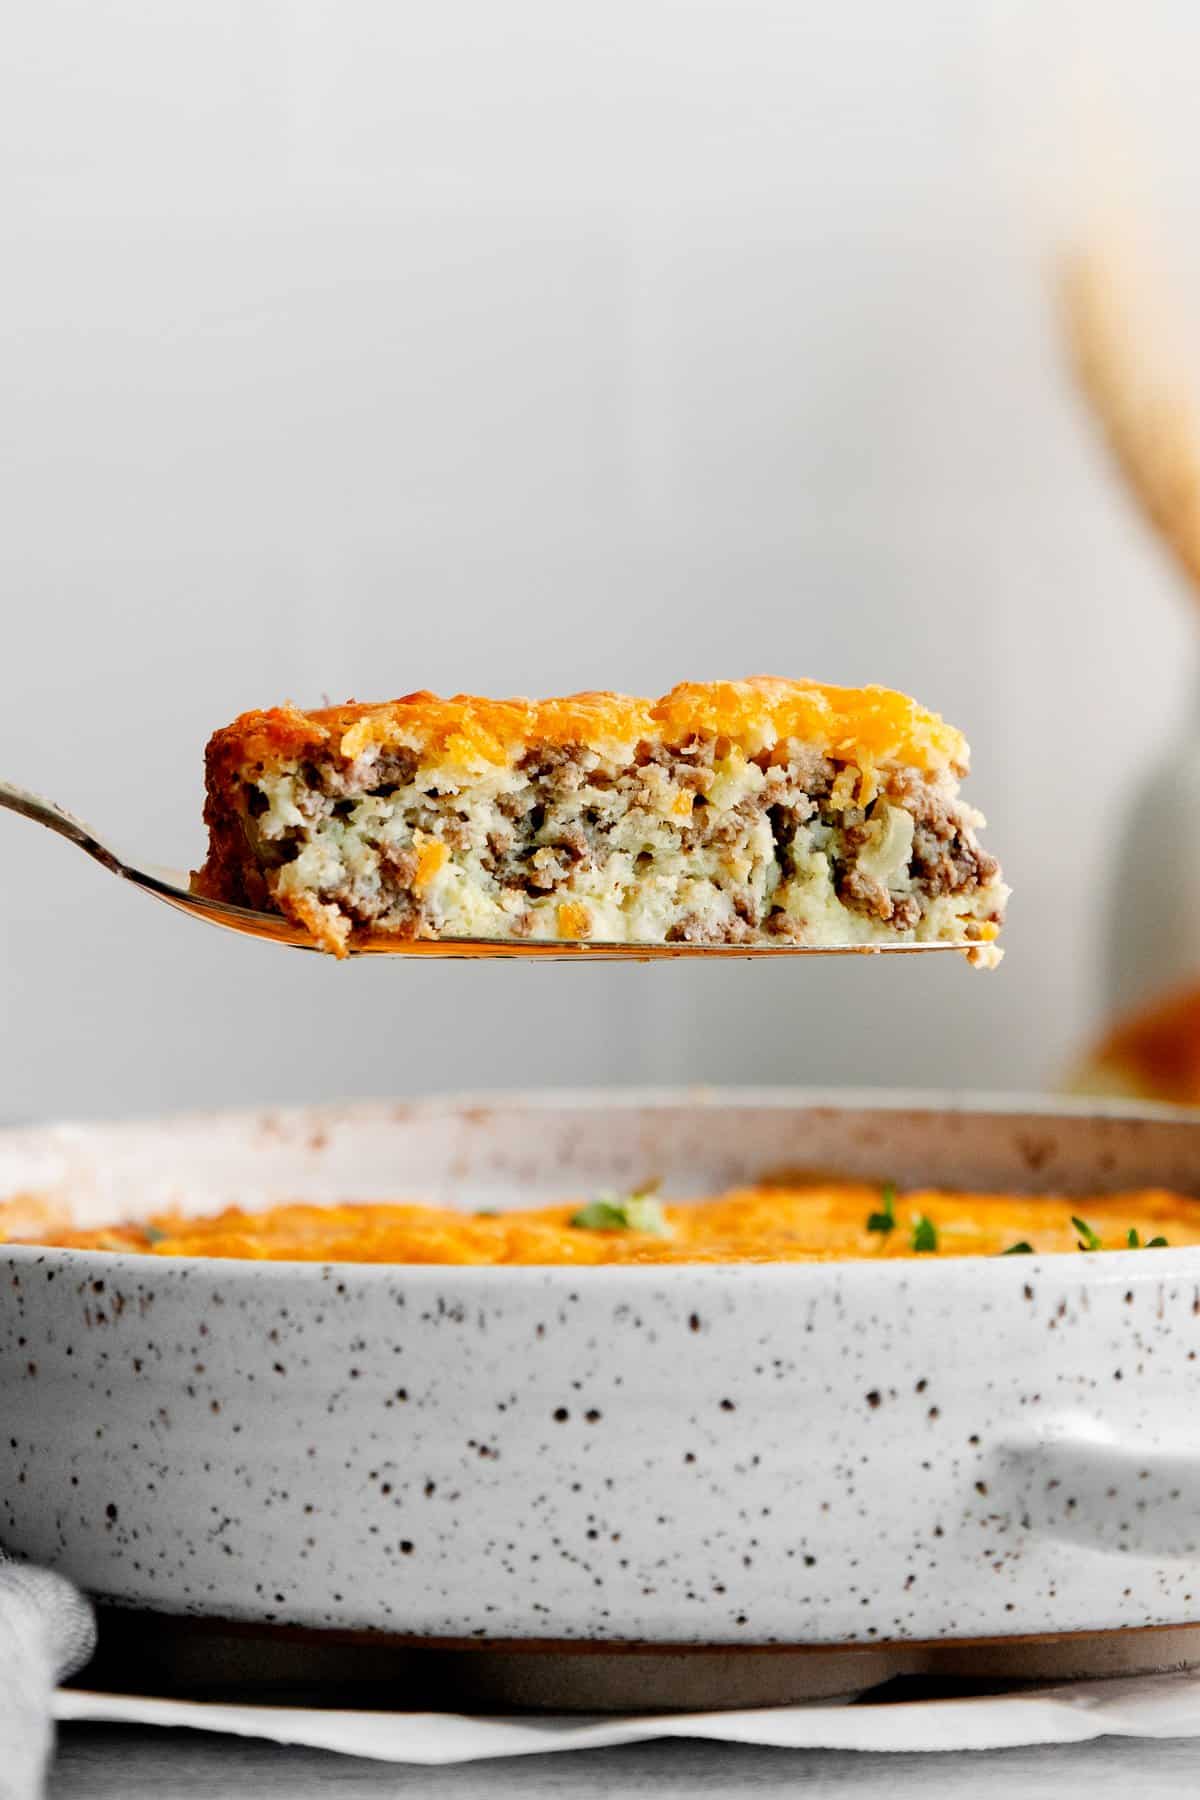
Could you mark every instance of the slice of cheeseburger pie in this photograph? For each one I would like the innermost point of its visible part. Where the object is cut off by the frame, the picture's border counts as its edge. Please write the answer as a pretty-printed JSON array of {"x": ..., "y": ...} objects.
[{"x": 758, "y": 812}]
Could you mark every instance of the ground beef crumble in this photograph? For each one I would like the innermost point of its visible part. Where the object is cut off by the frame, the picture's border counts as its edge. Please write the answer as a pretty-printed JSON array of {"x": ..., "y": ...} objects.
[{"x": 548, "y": 833}]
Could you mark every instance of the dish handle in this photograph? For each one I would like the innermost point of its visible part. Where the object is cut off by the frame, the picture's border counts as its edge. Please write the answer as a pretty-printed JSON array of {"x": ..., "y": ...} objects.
[{"x": 1074, "y": 1479}]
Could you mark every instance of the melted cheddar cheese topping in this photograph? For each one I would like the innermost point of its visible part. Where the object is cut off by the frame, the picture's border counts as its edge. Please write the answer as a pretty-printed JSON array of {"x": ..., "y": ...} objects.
[
  {"x": 817, "y": 1223},
  {"x": 871, "y": 725}
]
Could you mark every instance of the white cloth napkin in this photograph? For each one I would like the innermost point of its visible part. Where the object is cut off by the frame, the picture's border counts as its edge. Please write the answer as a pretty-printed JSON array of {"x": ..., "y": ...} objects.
[
  {"x": 47, "y": 1632},
  {"x": 1147, "y": 1706}
]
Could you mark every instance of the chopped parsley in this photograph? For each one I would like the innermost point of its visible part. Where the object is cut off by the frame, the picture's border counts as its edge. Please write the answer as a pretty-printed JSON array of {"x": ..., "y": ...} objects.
[
  {"x": 924, "y": 1234},
  {"x": 154, "y": 1235},
  {"x": 1088, "y": 1239},
  {"x": 628, "y": 1212},
  {"x": 885, "y": 1219}
]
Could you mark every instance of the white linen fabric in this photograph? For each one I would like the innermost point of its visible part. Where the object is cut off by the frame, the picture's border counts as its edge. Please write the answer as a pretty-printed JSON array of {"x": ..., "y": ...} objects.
[
  {"x": 1146, "y": 1706},
  {"x": 47, "y": 1632}
]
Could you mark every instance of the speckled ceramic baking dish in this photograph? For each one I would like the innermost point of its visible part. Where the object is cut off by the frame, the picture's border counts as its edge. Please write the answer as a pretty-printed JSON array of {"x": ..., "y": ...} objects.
[{"x": 832, "y": 1454}]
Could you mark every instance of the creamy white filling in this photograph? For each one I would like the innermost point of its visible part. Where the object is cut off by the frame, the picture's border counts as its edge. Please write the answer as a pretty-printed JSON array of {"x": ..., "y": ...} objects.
[
  {"x": 885, "y": 858},
  {"x": 642, "y": 886}
]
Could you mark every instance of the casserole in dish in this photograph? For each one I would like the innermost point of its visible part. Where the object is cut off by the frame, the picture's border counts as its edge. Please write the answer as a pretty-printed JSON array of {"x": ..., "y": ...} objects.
[{"x": 845, "y": 1453}]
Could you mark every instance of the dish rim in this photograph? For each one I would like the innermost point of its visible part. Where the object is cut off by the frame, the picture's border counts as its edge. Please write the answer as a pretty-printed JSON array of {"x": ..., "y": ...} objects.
[{"x": 1117, "y": 1264}]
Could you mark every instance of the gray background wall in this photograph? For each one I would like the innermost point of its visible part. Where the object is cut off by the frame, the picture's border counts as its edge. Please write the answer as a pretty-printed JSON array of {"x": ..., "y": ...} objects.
[{"x": 348, "y": 348}]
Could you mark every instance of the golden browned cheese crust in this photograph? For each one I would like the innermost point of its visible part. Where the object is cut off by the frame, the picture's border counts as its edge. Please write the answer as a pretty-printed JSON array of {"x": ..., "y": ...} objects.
[
  {"x": 825, "y": 1222},
  {"x": 860, "y": 724},
  {"x": 724, "y": 812}
]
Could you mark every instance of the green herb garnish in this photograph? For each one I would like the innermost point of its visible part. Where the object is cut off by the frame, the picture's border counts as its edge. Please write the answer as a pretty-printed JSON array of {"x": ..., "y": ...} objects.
[
  {"x": 1088, "y": 1239},
  {"x": 154, "y": 1235},
  {"x": 1158, "y": 1243},
  {"x": 1154, "y": 1243},
  {"x": 1021, "y": 1249},
  {"x": 924, "y": 1234},
  {"x": 629, "y": 1212},
  {"x": 885, "y": 1219}
]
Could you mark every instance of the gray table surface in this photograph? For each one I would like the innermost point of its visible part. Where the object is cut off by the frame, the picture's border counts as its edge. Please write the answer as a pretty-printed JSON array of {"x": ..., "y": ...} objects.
[{"x": 106, "y": 1762}]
